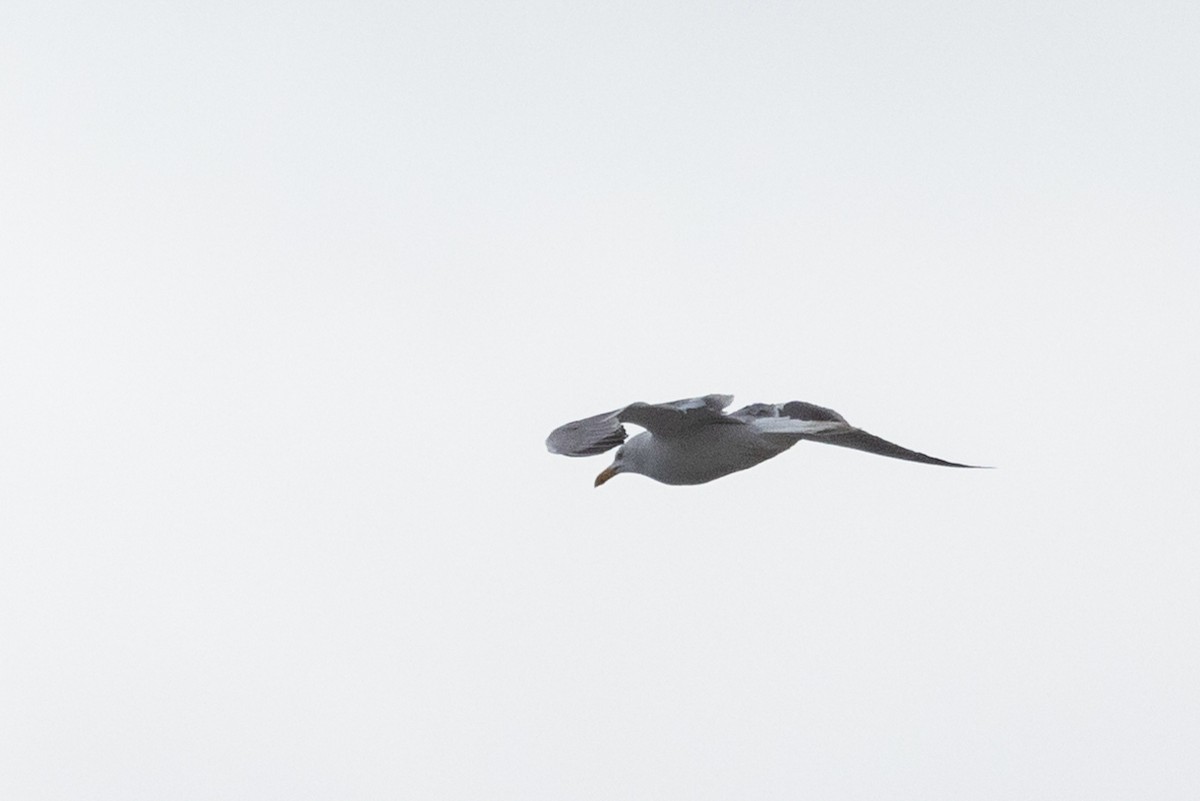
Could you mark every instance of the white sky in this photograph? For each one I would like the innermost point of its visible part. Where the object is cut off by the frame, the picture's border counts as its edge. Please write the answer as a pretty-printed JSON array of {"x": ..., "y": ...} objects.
[{"x": 293, "y": 292}]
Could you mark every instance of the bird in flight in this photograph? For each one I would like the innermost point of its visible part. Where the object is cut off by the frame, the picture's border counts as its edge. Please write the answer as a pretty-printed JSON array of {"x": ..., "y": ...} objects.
[{"x": 694, "y": 441}]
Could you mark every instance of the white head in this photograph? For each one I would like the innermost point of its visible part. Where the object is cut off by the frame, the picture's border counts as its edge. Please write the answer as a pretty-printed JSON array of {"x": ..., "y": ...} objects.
[{"x": 629, "y": 459}]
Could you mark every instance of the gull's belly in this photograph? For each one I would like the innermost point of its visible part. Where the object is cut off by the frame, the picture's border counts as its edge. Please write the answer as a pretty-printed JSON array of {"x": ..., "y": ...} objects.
[{"x": 709, "y": 454}]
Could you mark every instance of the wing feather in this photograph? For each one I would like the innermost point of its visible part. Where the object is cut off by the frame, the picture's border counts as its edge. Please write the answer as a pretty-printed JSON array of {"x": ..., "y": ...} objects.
[
  {"x": 860, "y": 440},
  {"x": 587, "y": 437},
  {"x": 602, "y": 432},
  {"x": 674, "y": 418},
  {"x": 819, "y": 424}
]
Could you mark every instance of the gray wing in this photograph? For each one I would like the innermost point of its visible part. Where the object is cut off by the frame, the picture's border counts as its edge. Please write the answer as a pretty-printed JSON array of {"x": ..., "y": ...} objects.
[
  {"x": 678, "y": 417},
  {"x": 860, "y": 440},
  {"x": 593, "y": 435},
  {"x": 808, "y": 421},
  {"x": 589, "y": 436}
]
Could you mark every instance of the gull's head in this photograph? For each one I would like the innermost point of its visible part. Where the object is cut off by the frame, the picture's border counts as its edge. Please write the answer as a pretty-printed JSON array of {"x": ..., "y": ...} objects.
[{"x": 618, "y": 466}]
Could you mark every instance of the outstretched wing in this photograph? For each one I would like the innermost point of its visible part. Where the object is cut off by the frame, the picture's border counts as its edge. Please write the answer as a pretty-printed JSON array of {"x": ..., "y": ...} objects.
[
  {"x": 860, "y": 440},
  {"x": 809, "y": 421},
  {"x": 674, "y": 418},
  {"x": 587, "y": 437},
  {"x": 593, "y": 435}
]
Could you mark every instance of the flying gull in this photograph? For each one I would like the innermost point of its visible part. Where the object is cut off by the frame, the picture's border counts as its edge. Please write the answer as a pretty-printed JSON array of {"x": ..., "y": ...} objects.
[{"x": 693, "y": 441}]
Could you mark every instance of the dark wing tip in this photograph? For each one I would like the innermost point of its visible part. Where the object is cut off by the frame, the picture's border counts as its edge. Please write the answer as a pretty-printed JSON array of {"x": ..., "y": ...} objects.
[
  {"x": 601, "y": 445},
  {"x": 860, "y": 440},
  {"x": 802, "y": 410}
]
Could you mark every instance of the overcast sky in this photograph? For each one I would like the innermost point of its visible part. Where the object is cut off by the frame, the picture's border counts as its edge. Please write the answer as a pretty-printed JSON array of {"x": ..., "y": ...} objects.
[{"x": 293, "y": 292}]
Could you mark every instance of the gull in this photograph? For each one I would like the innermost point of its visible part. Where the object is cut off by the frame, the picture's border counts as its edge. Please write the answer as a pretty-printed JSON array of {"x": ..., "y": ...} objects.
[{"x": 694, "y": 441}]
